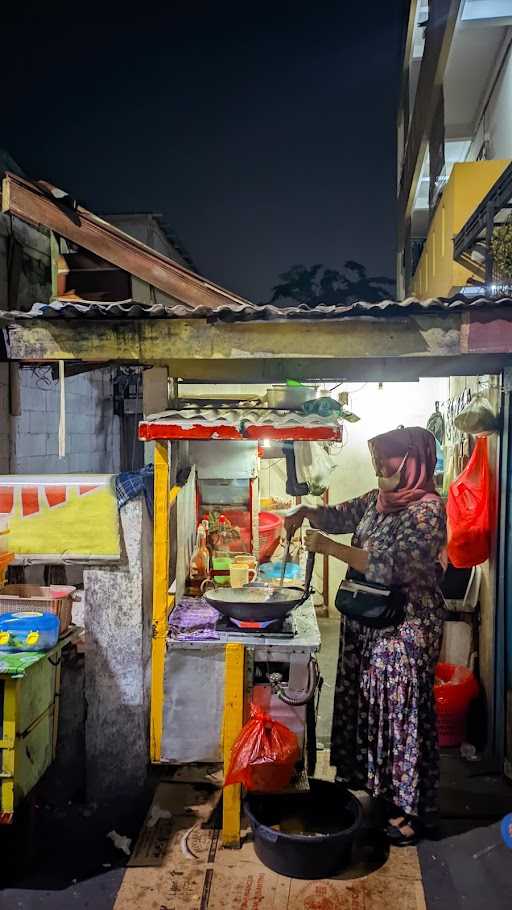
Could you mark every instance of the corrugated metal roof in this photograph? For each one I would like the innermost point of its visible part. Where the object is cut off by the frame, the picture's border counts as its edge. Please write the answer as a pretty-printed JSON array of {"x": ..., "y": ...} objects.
[
  {"x": 236, "y": 417},
  {"x": 194, "y": 422},
  {"x": 250, "y": 312}
]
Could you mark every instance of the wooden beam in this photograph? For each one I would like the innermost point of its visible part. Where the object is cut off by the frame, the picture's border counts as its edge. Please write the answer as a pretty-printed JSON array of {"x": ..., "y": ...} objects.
[
  {"x": 54, "y": 253},
  {"x": 34, "y": 204}
]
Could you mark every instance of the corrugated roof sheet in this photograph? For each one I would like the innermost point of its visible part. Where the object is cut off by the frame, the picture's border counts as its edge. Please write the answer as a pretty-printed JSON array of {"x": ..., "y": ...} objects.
[
  {"x": 236, "y": 417},
  {"x": 194, "y": 422},
  {"x": 250, "y": 312}
]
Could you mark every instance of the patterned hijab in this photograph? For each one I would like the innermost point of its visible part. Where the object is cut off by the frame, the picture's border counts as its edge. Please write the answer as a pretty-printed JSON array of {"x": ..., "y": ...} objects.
[{"x": 417, "y": 474}]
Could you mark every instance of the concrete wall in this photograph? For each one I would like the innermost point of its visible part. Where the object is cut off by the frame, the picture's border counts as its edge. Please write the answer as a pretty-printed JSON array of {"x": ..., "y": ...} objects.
[
  {"x": 496, "y": 123},
  {"x": 92, "y": 429},
  {"x": 146, "y": 228},
  {"x": 118, "y": 623}
]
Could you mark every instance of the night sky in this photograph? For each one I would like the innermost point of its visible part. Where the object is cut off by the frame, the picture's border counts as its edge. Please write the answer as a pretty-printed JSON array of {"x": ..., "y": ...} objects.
[{"x": 266, "y": 138}]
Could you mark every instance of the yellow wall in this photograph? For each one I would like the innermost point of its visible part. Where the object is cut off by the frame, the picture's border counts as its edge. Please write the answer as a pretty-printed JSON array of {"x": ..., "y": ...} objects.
[{"x": 437, "y": 275}]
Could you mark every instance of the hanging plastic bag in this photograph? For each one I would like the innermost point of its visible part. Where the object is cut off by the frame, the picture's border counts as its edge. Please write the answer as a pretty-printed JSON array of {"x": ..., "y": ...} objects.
[
  {"x": 264, "y": 754},
  {"x": 477, "y": 418},
  {"x": 469, "y": 512},
  {"x": 314, "y": 466}
]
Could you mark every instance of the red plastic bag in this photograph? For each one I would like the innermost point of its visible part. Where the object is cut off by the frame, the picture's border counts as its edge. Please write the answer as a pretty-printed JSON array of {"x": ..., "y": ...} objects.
[
  {"x": 469, "y": 511},
  {"x": 264, "y": 754}
]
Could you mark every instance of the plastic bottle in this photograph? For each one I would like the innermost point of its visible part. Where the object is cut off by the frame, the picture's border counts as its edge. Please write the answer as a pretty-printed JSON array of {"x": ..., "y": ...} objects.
[
  {"x": 222, "y": 538},
  {"x": 200, "y": 559}
]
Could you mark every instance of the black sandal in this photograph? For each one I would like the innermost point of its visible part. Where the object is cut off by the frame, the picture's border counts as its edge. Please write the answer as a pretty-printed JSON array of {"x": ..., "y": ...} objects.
[{"x": 396, "y": 836}]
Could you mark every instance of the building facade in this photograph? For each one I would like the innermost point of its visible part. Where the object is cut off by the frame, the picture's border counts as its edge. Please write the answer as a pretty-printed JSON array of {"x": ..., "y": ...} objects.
[{"x": 454, "y": 136}]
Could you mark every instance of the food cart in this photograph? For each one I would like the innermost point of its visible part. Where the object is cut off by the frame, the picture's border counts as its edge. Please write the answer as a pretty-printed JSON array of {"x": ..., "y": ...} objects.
[{"x": 204, "y": 673}]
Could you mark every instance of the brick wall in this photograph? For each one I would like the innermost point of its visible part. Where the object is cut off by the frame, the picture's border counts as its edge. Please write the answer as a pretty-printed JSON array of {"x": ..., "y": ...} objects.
[{"x": 92, "y": 430}]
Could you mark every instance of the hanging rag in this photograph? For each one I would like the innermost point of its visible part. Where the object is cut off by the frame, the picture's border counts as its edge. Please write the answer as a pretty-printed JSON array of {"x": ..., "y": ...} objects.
[
  {"x": 130, "y": 484},
  {"x": 435, "y": 425},
  {"x": 293, "y": 487}
]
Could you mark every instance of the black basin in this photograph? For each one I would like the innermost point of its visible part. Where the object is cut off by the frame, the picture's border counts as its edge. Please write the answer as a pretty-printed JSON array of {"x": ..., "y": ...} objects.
[{"x": 328, "y": 819}]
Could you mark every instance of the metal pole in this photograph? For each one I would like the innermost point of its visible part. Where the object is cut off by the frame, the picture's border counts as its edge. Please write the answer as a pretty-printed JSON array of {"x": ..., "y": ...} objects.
[
  {"x": 503, "y": 579},
  {"x": 489, "y": 261}
]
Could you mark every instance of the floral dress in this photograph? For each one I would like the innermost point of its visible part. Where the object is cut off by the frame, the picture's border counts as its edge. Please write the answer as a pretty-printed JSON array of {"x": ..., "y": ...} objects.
[{"x": 384, "y": 736}]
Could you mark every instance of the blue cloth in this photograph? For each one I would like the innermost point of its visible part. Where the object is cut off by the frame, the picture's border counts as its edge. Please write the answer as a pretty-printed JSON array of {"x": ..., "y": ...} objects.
[{"x": 131, "y": 484}]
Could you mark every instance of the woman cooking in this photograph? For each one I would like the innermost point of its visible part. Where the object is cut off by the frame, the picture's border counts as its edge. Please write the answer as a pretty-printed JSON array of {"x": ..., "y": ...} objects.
[{"x": 384, "y": 737}]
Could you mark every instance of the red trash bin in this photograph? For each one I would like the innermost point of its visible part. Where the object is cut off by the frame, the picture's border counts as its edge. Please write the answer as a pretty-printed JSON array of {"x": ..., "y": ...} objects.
[{"x": 454, "y": 690}]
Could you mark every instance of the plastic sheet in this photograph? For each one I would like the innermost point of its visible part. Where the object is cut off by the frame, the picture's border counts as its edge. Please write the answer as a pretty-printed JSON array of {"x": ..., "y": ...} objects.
[{"x": 477, "y": 418}]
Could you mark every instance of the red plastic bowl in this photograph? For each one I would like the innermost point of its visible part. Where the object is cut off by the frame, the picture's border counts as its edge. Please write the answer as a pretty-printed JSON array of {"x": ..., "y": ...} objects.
[{"x": 270, "y": 531}]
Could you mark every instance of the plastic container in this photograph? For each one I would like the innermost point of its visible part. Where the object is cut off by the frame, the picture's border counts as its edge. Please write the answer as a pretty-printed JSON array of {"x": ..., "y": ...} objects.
[
  {"x": 28, "y": 631},
  {"x": 285, "y": 396},
  {"x": 57, "y": 599},
  {"x": 270, "y": 531},
  {"x": 327, "y": 820},
  {"x": 271, "y": 571},
  {"x": 456, "y": 689}
]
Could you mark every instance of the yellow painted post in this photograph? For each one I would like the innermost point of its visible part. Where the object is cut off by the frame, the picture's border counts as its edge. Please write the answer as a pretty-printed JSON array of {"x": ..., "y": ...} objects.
[
  {"x": 160, "y": 594},
  {"x": 8, "y": 739},
  {"x": 234, "y": 690}
]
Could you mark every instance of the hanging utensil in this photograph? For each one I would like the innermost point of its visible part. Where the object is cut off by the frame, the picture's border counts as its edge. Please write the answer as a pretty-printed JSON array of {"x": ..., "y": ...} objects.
[
  {"x": 310, "y": 565},
  {"x": 286, "y": 556}
]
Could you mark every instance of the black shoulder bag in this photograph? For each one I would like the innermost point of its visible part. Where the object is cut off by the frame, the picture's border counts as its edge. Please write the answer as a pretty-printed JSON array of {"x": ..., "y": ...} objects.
[{"x": 373, "y": 606}]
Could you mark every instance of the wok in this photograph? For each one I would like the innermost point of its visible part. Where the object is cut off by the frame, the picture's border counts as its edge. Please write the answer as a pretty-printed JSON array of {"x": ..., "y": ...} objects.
[{"x": 259, "y": 602}]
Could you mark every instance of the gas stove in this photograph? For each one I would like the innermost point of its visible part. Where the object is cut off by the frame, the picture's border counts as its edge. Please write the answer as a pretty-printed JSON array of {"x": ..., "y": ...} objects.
[{"x": 281, "y": 628}]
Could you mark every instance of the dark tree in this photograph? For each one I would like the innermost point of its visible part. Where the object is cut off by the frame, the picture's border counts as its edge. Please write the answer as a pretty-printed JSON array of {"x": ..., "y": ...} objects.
[{"x": 320, "y": 286}]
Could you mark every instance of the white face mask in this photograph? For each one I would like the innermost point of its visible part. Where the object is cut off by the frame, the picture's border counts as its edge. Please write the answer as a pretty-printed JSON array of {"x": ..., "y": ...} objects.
[{"x": 389, "y": 484}]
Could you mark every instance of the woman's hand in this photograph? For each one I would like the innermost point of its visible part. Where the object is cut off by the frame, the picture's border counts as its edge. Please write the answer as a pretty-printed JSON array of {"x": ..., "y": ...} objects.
[
  {"x": 353, "y": 556},
  {"x": 294, "y": 519},
  {"x": 317, "y": 543}
]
